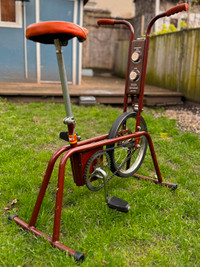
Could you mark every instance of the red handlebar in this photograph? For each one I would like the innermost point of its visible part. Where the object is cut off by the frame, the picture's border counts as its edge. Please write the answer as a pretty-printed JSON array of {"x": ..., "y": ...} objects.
[
  {"x": 106, "y": 21},
  {"x": 169, "y": 12},
  {"x": 176, "y": 9},
  {"x": 115, "y": 21}
]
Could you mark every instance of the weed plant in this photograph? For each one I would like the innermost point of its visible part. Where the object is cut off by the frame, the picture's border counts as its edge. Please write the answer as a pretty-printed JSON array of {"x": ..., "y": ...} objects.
[{"x": 161, "y": 229}]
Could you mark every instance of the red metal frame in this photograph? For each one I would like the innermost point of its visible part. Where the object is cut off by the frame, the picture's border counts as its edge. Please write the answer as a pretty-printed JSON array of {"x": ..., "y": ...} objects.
[
  {"x": 68, "y": 151},
  {"x": 90, "y": 146}
]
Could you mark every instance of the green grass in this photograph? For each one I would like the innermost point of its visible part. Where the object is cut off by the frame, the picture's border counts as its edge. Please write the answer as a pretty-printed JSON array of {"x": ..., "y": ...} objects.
[{"x": 162, "y": 227}]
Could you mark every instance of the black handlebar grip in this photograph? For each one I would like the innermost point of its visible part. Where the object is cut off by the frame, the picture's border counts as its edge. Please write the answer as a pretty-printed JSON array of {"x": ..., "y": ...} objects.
[{"x": 176, "y": 9}]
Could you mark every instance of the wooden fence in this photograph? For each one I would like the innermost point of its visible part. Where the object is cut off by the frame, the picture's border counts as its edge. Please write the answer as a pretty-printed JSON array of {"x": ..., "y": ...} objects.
[{"x": 173, "y": 63}]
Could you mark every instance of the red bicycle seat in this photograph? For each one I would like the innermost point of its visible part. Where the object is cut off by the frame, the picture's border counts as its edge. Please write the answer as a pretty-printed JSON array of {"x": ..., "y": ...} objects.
[{"x": 46, "y": 32}]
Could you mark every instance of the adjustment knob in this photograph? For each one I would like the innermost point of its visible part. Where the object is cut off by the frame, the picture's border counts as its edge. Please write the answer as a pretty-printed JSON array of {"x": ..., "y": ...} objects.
[
  {"x": 135, "y": 56},
  {"x": 133, "y": 76}
]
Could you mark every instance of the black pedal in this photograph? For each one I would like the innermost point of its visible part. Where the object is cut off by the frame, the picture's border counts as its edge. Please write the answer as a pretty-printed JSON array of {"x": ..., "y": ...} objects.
[
  {"x": 118, "y": 204},
  {"x": 64, "y": 136}
]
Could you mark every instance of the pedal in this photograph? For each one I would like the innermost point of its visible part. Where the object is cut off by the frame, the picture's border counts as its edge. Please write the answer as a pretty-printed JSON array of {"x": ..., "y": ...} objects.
[
  {"x": 64, "y": 136},
  {"x": 118, "y": 204}
]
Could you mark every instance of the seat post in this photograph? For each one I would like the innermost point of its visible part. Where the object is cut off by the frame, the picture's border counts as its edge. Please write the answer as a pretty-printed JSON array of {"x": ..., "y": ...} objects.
[{"x": 63, "y": 79}]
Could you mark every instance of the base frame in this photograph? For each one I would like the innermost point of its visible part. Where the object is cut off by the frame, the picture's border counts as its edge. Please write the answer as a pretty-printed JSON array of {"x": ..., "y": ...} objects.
[{"x": 69, "y": 150}]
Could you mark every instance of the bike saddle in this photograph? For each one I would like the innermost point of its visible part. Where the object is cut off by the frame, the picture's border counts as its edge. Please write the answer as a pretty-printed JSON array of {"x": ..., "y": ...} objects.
[{"x": 46, "y": 32}]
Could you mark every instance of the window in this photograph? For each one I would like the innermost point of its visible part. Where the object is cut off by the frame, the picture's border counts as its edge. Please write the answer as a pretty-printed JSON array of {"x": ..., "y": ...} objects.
[
  {"x": 8, "y": 10},
  {"x": 10, "y": 13}
]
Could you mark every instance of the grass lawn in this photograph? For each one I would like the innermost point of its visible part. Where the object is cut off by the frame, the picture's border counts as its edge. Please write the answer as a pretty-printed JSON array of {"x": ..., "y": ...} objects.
[{"x": 161, "y": 229}]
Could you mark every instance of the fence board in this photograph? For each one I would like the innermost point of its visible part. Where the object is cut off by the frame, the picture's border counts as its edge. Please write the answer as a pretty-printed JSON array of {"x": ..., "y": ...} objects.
[{"x": 173, "y": 63}]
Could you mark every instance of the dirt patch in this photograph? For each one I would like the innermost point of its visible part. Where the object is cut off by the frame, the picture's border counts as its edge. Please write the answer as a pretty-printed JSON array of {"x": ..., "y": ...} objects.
[{"x": 188, "y": 117}]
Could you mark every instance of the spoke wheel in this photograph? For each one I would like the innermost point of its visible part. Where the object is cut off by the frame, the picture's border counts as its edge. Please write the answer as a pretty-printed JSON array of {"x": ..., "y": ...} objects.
[{"x": 125, "y": 151}]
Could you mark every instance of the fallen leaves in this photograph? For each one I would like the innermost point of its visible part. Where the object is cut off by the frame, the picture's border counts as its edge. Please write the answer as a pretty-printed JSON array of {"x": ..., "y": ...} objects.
[{"x": 11, "y": 205}]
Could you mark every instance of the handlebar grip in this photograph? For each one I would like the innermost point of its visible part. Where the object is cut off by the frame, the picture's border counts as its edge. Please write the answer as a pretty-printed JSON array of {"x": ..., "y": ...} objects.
[
  {"x": 176, "y": 9},
  {"x": 105, "y": 21}
]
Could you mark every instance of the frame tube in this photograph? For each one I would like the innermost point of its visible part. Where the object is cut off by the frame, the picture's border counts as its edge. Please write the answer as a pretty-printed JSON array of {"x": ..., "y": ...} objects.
[
  {"x": 69, "y": 150},
  {"x": 45, "y": 184},
  {"x": 89, "y": 144},
  {"x": 63, "y": 78}
]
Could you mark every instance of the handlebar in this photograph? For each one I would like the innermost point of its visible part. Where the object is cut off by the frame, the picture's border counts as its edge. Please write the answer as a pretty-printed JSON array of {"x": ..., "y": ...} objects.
[
  {"x": 105, "y": 21},
  {"x": 176, "y": 9},
  {"x": 116, "y": 21},
  {"x": 169, "y": 12}
]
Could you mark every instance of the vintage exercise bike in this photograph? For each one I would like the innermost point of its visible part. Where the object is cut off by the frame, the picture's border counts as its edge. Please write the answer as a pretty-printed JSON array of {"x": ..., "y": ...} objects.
[{"x": 121, "y": 151}]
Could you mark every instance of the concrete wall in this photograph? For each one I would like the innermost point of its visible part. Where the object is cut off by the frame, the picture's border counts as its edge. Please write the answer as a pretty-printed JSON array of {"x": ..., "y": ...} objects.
[
  {"x": 117, "y": 8},
  {"x": 100, "y": 48},
  {"x": 121, "y": 58},
  {"x": 173, "y": 63}
]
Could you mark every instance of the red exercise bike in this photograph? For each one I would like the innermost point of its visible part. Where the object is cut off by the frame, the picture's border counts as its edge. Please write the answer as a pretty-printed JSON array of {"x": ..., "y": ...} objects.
[{"x": 121, "y": 151}]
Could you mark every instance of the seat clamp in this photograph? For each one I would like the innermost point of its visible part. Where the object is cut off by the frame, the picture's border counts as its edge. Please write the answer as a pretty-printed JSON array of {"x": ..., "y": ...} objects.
[{"x": 69, "y": 120}]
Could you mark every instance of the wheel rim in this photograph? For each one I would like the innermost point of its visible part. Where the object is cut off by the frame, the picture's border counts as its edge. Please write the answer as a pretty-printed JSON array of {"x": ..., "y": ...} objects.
[{"x": 126, "y": 152}]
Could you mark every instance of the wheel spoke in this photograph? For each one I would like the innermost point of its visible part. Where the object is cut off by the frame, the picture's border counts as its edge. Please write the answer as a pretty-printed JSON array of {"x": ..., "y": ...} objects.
[{"x": 125, "y": 125}]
